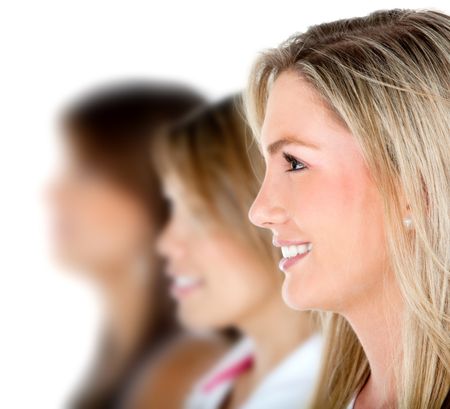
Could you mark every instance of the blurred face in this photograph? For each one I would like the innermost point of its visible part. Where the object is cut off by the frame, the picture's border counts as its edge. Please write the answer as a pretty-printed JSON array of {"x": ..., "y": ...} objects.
[
  {"x": 97, "y": 225},
  {"x": 320, "y": 203},
  {"x": 217, "y": 279}
]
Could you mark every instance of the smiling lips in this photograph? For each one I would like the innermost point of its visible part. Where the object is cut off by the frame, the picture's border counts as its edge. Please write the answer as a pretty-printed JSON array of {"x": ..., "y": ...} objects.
[
  {"x": 292, "y": 252},
  {"x": 184, "y": 285}
]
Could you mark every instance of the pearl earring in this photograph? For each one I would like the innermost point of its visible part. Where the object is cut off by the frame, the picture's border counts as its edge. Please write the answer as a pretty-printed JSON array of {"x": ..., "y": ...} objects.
[{"x": 407, "y": 221}]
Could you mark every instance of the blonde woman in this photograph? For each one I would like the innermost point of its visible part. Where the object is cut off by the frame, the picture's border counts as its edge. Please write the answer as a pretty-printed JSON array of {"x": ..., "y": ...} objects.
[
  {"x": 224, "y": 270},
  {"x": 353, "y": 120}
]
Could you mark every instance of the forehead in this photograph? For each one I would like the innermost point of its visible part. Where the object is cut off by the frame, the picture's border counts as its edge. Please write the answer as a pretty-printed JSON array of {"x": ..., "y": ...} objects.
[
  {"x": 183, "y": 194},
  {"x": 176, "y": 190},
  {"x": 294, "y": 109}
]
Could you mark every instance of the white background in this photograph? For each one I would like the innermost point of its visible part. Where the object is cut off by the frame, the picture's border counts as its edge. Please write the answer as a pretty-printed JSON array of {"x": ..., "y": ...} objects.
[{"x": 49, "y": 52}]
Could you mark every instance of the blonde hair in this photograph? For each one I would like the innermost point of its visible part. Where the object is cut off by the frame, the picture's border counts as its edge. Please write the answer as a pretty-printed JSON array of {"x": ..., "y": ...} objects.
[
  {"x": 386, "y": 76},
  {"x": 213, "y": 154}
]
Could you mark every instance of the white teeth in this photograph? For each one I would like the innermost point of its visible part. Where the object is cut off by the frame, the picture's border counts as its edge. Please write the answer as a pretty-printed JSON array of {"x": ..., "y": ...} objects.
[
  {"x": 185, "y": 281},
  {"x": 292, "y": 251}
]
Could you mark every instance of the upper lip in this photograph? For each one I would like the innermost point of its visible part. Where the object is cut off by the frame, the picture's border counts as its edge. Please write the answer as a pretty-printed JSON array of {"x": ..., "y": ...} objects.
[
  {"x": 173, "y": 272},
  {"x": 282, "y": 243}
]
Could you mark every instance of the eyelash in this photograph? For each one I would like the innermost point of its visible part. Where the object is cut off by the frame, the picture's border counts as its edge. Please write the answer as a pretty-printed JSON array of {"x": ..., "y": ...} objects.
[{"x": 293, "y": 161}]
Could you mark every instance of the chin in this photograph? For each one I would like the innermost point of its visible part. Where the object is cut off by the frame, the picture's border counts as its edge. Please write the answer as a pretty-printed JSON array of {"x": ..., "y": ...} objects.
[
  {"x": 290, "y": 298},
  {"x": 301, "y": 295},
  {"x": 199, "y": 321},
  {"x": 192, "y": 320}
]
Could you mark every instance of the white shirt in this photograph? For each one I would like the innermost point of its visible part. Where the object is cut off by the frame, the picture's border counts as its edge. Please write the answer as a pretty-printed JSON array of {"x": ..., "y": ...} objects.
[{"x": 289, "y": 385}]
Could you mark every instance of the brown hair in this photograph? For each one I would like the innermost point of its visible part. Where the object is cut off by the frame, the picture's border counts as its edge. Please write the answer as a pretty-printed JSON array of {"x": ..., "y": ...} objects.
[{"x": 111, "y": 128}]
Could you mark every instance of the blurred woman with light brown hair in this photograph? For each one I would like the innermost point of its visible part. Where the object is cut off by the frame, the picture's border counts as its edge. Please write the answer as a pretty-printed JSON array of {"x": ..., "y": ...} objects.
[
  {"x": 353, "y": 120},
  {"x": 224, "y": 270}
]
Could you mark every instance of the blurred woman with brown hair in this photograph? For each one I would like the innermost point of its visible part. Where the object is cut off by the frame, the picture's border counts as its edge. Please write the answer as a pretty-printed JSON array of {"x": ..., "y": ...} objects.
[{"x": 109, "y": 209}]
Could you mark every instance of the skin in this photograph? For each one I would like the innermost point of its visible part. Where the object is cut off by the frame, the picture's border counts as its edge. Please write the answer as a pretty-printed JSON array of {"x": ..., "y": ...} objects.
[
  {"x": 98, "y": 225},
  {"x": 105, "y": 232},
  {"x": 175, "y": 370},
  {"x": 236, "y": 287},
  {"x": 326, "y": 196}
]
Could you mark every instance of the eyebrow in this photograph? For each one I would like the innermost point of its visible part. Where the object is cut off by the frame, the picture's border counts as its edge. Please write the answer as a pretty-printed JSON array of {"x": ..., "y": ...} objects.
[{"x": 274, "y": 147}]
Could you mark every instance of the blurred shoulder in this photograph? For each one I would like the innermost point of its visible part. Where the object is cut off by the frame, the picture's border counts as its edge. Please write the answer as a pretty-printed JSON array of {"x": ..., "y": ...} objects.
[{"x": 166, "y": 379}]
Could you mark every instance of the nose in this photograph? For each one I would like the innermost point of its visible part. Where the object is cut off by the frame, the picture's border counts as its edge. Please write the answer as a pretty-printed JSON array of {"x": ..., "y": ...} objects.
[
  {"x": 265, "y": 211},
  {"x": 167, "y": 243}
]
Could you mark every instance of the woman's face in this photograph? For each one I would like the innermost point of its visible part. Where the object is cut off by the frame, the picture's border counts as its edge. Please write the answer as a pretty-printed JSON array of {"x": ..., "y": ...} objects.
[
  {"x": 98, "y": 225},
  {"x": 218, "y": 280},
  {"x": 317, "y": 191}
]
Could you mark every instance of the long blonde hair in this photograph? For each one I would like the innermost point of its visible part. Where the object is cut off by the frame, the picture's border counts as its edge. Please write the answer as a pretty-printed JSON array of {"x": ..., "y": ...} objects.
[{"x": 386, "y": 76}]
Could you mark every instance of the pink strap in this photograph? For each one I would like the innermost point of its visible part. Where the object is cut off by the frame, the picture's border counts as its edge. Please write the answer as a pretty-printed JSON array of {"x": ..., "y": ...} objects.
[{"x": 229, "y": 373}]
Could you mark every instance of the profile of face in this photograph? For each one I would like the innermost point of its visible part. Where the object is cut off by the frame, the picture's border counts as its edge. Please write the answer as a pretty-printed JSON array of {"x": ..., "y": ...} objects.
[
  {"x": 98, "y": 225},
  {"x": 218, "y": 279},
  {"x": 320, "y": 203}
]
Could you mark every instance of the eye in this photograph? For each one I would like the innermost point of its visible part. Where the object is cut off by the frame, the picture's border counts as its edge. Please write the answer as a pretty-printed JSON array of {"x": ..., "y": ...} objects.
[{"x": 294, "y": 164}]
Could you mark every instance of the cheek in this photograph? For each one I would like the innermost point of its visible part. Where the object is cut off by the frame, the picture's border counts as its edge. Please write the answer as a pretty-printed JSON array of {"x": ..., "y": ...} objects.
[
  {"x": 122, "y": 222},
  {"x": 325, "y": 207},
  {"x": 342, "y": 216},
  {"x": 241, "y": 272},
  {"x": 236, "y": 283},
  {"x": 103, "y": 224}
]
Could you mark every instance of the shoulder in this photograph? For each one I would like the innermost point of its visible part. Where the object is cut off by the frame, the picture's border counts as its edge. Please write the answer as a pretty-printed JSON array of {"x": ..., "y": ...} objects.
[
  {"x": 166, "y": 379},
  {"x": 292, "y": 382},
  {"x": 212, "y": 387}
]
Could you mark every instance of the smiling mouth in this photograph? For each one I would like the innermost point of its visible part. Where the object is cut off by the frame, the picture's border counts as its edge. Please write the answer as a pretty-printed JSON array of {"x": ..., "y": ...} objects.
[
  {"x": 294, "y": 250},
  {"x": 293, "y": 253},
  {"x": 182, "y": 286}
]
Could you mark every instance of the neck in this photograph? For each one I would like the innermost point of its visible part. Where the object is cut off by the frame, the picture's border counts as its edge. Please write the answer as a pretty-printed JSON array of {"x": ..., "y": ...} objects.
[
  {"x": 125, "y": 292},
  {"x": 377, "y": 325},
  {"x": 293, "y": 327}
]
